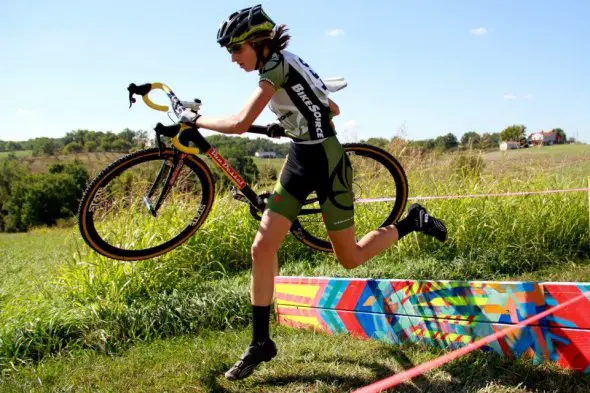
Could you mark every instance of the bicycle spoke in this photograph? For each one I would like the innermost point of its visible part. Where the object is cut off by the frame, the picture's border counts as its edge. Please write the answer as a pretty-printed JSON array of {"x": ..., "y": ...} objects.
[{"x": 120, "y": 214}]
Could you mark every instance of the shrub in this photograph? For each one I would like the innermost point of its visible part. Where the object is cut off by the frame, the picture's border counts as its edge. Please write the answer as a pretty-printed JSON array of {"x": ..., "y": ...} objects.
[{"x": 468, "y": 166}]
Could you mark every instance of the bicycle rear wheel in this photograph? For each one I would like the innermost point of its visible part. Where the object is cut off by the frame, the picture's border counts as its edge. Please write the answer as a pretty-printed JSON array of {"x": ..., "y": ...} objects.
[
  {"x": 380, "y": 189},
  {"x": 146, "y": 204}
]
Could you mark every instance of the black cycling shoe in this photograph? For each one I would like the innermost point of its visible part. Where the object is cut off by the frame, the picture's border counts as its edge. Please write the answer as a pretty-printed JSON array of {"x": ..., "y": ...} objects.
[
  {"x": 254, "y": 355},
  {"x": 426, "y": 223}
]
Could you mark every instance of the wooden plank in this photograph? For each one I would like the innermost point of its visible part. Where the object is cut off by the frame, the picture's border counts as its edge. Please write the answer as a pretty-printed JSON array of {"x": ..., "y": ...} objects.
[
  {"x": 484, "y": 301},
  {"x": 569, "y": 348}
]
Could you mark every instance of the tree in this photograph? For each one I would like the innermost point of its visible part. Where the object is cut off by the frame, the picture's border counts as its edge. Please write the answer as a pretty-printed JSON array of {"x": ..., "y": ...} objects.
[
  {"x": 561, "y": 136},
  {"x": 72, "y": 147},
  {"x": 75, "y": 169},
  {"x": 13, "y": 146},
  {"x": 471, "y": 139},
  {"x": 142, "y": 139},
  {"x": 12, "y": 171},
  {"x": 45, "y": 146},
  {"x": 127, "y": 134},
  {"x": 43, "y": 198},
  {"x": 446, "y": 142},
  {"x": 515, "y": 133},
  {"x": 121, "y": 145},
  {"x": 236, "y": 156},
  {"x": 91, "y": 146}
]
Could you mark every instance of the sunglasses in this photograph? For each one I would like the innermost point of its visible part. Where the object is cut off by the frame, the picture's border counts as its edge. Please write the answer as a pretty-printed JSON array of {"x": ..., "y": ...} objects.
[{"x": 234, "y": 48}]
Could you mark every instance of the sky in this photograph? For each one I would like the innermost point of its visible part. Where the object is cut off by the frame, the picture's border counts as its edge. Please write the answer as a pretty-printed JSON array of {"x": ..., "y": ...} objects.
[{"x": 416, "y": 69}]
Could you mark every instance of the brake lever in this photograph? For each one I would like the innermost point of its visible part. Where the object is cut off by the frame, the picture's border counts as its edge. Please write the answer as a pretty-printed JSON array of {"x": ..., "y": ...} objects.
[
  {"x": 159, "y": 141},
  {"x": 132, "y": 99},
  {"x": 142, "y": 90}
]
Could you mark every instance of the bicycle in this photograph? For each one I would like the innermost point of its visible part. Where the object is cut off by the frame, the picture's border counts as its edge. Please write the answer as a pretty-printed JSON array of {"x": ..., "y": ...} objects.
[{"x": 146, "y": 179}]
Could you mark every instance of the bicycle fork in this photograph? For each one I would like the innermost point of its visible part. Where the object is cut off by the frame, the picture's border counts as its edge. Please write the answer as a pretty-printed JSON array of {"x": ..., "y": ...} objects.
[{"x": 171, "y": 172}]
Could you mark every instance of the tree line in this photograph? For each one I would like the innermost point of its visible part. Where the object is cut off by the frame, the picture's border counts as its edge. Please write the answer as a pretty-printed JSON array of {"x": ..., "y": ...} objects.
[
  {"x": 81, "y": 141},
  {"x": 129, "y": 140},
  {"x": 469, "y": 140}
]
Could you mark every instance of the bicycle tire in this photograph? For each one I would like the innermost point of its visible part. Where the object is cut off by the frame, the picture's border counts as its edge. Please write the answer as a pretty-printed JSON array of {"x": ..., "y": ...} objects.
[
  {"x": 398, "y": 177},
  {"x": 86, "y": 216}
]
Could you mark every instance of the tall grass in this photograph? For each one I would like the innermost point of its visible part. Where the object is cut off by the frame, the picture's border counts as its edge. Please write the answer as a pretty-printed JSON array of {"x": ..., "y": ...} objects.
[{"x": 108, "y": 305}]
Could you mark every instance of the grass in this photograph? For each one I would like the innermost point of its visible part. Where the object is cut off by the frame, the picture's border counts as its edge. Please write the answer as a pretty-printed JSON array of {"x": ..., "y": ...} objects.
[
  {"x": 27, "y": 261},
  {"x": 94, "y": 161},
  {"x": 77, "y": 321},
  {"x": 19, "y": 153},
  {"x": 307, "y": 362}
]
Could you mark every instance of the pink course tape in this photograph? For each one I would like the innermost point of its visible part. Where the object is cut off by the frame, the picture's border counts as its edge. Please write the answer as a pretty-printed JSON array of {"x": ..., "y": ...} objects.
[
  {"x": 426, "y": 198},
  {"x": 424, "y": 367}
]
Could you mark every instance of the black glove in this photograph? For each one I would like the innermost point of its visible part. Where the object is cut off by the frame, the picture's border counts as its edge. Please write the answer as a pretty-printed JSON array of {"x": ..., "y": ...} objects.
[{"x": 274, "y": 130}]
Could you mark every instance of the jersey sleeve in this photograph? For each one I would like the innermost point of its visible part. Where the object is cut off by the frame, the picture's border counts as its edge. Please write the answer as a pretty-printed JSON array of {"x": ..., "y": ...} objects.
[{"x": 274, "y": 72}]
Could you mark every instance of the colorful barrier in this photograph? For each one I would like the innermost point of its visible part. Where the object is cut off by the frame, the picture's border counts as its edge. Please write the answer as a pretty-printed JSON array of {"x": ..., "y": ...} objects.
[{"x": 446, "y": 314}]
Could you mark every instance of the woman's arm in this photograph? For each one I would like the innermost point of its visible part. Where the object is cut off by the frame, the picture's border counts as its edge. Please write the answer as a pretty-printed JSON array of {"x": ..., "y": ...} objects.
[{"x": 241, "y": 122}]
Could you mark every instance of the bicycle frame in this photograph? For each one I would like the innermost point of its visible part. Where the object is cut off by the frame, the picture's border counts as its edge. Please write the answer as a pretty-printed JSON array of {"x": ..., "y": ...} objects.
[{"x": 181, "y": 134}]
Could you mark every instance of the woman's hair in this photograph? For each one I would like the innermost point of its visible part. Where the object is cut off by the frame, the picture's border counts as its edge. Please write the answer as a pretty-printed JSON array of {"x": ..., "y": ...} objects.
[
  {"x": 280, "y": 39},
  {"x": 277, "y": 41}
]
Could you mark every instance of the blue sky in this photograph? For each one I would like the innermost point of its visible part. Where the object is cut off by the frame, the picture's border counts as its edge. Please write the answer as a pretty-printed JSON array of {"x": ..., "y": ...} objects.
[{"x": 424, "y": 67}]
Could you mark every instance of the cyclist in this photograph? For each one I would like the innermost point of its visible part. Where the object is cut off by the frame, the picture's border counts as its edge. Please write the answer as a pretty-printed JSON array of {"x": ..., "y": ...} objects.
[{"x": 297, "y": 95}]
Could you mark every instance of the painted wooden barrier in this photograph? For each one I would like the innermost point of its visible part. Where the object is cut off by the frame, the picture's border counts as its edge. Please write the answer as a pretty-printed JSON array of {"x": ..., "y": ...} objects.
[{"x": 446, "y": 314}]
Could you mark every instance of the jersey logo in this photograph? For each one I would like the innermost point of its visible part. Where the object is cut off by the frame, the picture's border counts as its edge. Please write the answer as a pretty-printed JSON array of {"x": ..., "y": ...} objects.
[{"x": 316, "y": 110}]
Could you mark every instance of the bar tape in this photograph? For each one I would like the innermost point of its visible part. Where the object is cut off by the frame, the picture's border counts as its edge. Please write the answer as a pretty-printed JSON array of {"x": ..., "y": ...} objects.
[
  {"x": 516, "y": 193},
  {"x": 424, "y": 367}
]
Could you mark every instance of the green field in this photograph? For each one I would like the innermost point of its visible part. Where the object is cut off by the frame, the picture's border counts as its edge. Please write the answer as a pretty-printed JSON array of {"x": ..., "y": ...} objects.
[
  {"x": 20, "y": 153},
  {"x": 74, "y": 321}
]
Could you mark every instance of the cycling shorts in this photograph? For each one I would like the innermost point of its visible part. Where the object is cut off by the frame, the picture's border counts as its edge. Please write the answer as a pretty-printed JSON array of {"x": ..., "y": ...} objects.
[{"x": 324, "y": 168}]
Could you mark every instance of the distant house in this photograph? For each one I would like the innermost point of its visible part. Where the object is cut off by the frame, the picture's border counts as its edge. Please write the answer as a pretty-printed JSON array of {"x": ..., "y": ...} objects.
[
  {"x": 509, "y": 145},
  {"x": 266, "y": 154},
  {"x": 545, "y": 138}
]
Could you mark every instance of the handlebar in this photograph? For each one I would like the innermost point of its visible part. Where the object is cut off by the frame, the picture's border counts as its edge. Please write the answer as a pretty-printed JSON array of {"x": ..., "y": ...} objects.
[{"x": 273, "y": 130}]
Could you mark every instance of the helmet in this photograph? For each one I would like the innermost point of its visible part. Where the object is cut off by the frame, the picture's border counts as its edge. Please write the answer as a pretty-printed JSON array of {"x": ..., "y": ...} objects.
[{"x": 243, "y": 25}]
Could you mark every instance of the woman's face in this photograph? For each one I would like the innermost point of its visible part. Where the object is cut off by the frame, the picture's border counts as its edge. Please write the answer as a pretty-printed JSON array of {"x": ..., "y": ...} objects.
[{"x": 244, "y": 55}]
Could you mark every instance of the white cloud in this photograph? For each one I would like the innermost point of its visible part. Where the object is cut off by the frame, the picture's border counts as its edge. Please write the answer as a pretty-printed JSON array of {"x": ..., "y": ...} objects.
[
  {"x": 509, "y": 97},
  {"x": 349, "y": 132},
  {"x": 24, "y": 112},
  {"x": 479, "y": 31},
  {"x": 335, "y": 32}
]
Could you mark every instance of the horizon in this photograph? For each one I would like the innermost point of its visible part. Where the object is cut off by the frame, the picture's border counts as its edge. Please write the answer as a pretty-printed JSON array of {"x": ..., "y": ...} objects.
[{"x": 411, "y": 72}]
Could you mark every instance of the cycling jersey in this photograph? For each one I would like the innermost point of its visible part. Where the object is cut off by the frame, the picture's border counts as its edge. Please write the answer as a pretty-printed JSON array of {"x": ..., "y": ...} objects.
[{"x": 300, "y": 100}]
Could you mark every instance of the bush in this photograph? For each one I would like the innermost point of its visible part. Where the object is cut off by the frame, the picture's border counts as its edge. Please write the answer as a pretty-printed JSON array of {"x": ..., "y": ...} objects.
[
  {"x": 468, "y": 166},
  {"x": 44, "y": 198},
  {"x": 91, "y": 146},
  {"x": 72, "y": 147},
  {"x": 238, "y": 159},
  {"x": 267, "y": 174}
]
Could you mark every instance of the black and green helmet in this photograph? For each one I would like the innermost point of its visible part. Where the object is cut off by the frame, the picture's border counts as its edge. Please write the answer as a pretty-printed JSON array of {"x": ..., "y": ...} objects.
[{"x": 243, "y": 25}]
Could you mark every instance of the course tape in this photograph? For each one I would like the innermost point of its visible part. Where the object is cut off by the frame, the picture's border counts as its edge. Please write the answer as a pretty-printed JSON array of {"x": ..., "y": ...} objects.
[
  {"x": 396, "y": 379},
  {"x": 516, "y": 193}
]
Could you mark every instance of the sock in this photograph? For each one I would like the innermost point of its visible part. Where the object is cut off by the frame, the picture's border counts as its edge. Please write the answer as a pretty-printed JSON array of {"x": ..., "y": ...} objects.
[
  {"x": 405, "y": 226},
  {"x": 261, "y": 323}
]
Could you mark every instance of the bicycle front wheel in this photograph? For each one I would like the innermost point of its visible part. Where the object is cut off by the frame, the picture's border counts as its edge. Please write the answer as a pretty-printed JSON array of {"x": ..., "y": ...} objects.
[
  {"x": 146, "y": 204},
  {"x": 380, "y": 188}
]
